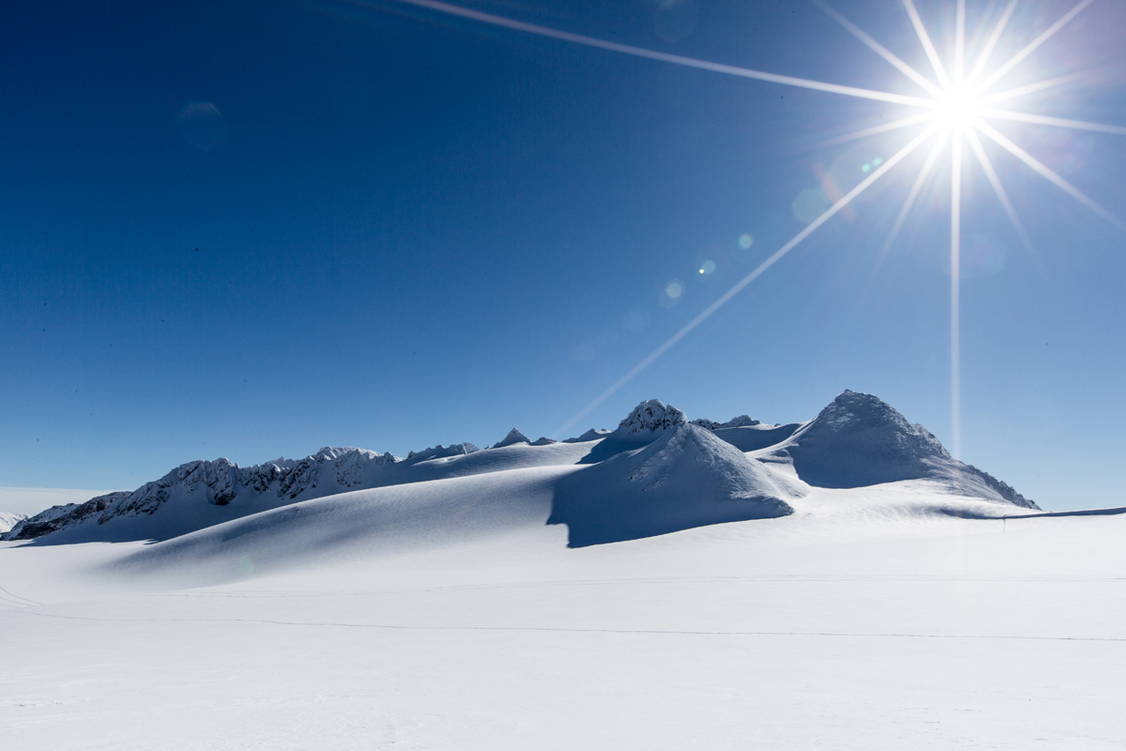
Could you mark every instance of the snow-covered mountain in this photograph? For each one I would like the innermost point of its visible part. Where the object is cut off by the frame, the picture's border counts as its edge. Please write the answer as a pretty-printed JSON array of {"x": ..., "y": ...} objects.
[
  {"x": 656, "y": 472},
  {"x": 859, "y": 440},
  {"x": 648, "y": 421},
  {"x": 9, "y": 520},
  {"x": 514, "y": 436},
  {"x": 440, "y": 451},
  {"x": 686, "y": 477},
  {"x": 206, "y": 492}
]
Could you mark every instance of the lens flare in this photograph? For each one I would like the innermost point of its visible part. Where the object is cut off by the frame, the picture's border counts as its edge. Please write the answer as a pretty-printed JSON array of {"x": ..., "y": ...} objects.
[{"x": 953, "y": 111}]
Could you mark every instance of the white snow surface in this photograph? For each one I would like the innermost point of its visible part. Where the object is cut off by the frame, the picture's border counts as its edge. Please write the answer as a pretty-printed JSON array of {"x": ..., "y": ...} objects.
[
  {"x": 686, "y": 478},
  {"x": 466, "y": 608},
  {"x": 857, "y": 440},
  {"x": 447, "y": 615}
]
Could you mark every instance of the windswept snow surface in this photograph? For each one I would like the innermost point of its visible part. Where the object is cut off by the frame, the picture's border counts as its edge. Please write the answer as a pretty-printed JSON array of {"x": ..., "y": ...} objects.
[
  {"x": 868, "y": 619},
  {"x": 915, "y": 603}
]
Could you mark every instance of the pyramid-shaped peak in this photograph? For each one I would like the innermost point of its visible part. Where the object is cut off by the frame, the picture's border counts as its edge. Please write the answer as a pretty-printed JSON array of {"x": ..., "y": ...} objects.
[
  {"x": 687, "y": 477},
  {"x": 649, "y": 420},
  {"x": 514, "y": 436},
  {"x": 594, "y": 434}
]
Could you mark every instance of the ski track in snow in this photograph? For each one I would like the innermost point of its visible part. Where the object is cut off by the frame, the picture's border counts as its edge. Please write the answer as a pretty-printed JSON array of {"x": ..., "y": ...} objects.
[{"x": 566, "y": 630}]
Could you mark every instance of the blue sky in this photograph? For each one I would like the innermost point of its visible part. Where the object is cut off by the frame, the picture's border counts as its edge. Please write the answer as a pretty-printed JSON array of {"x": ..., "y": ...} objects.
[{"x": 253, "y": 231}]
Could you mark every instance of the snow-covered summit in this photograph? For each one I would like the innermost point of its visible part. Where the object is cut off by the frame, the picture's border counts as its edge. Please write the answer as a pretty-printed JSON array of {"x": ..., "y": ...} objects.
[
  {"x": 858, "y": 439},
  {"x": 218, "y": 482},
  {"x": 9, "y": 520},
  {"x": 648, "y": 421},
  {"x": 685, "y": 478},
  {"x": 514, "y": 436},
  {"x": 593, "y": 434},
  {"x": 742, "y": 421},
  {"x": 440, "y": 451}
]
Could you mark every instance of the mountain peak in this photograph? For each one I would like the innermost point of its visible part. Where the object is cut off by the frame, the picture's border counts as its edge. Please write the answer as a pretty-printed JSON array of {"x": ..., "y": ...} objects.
[
  {"x": 593, "y": 434},
  {"x": 440, "y": 451},
  {"x": 514, "y": 436},
  {"x": 742, "y": 421},
  {"x": 858, "y": 439},
  {"x": 687, "y": 477},
  {"x": 648, "y": 421}
]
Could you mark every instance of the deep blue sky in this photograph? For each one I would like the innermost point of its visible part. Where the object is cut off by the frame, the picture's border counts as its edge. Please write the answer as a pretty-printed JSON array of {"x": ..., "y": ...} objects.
[{"x": 252, "y": 229}]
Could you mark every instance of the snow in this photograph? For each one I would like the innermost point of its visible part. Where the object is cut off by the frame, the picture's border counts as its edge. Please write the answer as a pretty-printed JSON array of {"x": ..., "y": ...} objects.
[
  {"x": 514, "y": 436},
  {"x": 591, "y": 435},
  {"x": 203, "y": 493},
  {"x": 685, "y": 592},
  {"x": 440, "y": 451},
  {"x": 648, "y": 421},
  {"x": 686, "y": 478},
  {"x": 9, "y": 519},
  {"x": 860, "y": 440},
  {"x": 864, "y": 620},
  {"x": 742, "y": 421}
]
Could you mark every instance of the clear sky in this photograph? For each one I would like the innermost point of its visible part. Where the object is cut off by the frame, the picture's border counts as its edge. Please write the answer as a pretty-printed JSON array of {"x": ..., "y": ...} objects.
[{"x": 252, "y": 229}]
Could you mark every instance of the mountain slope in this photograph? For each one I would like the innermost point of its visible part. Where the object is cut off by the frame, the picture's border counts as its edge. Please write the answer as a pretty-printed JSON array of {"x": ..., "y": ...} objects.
[
  {"x": 9, "y": 520},
  {"x": 685, "y": 478},
  {"x": 859, "y": 440},
  {"x": 856, "y": 441},
  {"x": 202, "y": 493}
]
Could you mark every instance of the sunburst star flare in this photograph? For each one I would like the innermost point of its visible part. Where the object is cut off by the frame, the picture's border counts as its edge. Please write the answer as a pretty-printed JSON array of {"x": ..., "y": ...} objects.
[{"x": 954, "y": 109}]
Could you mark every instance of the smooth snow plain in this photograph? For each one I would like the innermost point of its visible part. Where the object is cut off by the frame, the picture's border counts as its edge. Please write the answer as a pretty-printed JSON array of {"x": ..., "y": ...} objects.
[{"x": 447, "y": 614}]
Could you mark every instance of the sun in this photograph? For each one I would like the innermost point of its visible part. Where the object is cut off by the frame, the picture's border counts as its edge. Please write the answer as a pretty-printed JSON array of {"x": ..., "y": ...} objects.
[
  {"x": 959, "y": 107},
  {"x": 960, "y": 110}
]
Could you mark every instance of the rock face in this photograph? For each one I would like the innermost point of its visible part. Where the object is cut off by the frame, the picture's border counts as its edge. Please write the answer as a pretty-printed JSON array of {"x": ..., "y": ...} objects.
[
  {"x": 440, "y": 452},
  {"x": 218, "y": 483},
  {"x": 742, "y": 421},
  {"x": 860, "y": 440},
  {"x": 685, "y": 478},
  {"x": 591, "y": 435},
  {"x": 655, "y": 473},
  {"x": 514, "y": 436},
  {"x": 9, "y": 520},
  {"x": 647, "y": 422}
]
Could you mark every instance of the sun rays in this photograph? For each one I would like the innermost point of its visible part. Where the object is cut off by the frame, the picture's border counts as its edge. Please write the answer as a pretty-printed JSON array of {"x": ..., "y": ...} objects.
[{"x": 956, "y": 111}]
